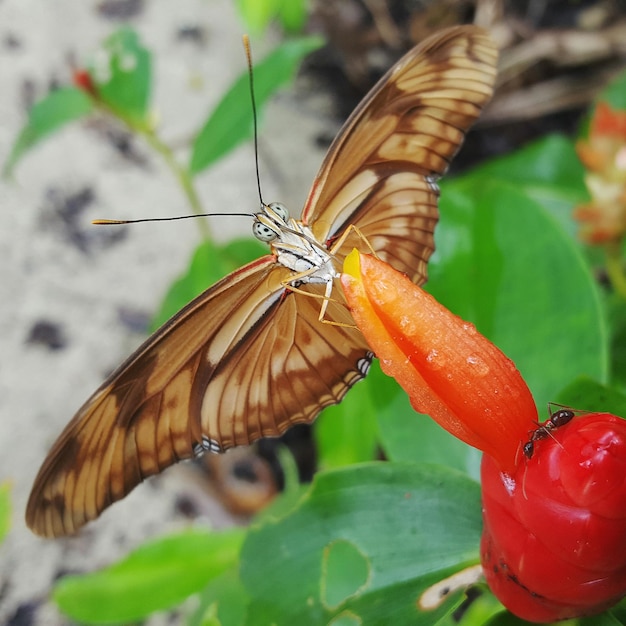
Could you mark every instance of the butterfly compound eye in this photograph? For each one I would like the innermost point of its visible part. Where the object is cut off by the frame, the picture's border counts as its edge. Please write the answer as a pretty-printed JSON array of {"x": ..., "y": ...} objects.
[
  {"x": 280, "y": 210},
  {"x": 263, "y": 232}
]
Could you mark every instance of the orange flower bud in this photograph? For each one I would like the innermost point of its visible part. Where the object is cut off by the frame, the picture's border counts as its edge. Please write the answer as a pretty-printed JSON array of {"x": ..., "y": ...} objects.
[{"x": 449, "y": 370}]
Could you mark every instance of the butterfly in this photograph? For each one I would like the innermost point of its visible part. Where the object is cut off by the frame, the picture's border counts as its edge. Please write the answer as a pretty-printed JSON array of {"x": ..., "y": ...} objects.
[{"x": 249, "y": 357}]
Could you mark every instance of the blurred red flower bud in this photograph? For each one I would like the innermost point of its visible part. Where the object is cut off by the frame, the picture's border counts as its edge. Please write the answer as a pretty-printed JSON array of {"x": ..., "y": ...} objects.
[{"x": 603, "y": 154}]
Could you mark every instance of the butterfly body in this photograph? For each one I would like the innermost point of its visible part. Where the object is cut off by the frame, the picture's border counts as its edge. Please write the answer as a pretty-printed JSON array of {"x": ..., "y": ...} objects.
[
  {"x": 295, "y": 247},
  {"x": 250, "y": 356}
]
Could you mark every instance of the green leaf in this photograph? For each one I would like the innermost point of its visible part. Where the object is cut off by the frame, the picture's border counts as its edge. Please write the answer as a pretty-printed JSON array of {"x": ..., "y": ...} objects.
[
  {"x": 483, "y": 607},
  {"x": 231, "y": 122},
  {"x": 345, "y": 572},
  {"x": 56, "y": 110},
  {"x": 293, "y": 15},
  {"x": 157, "y": 576},
  {"x": 222, "y": 602},
  {"x": 347, "y": 433},
  {"x": 615, "y": 92},
  {"x": 400, "y": 527},
  {"x": 507, "y": 619},
  {"x": 209, "y": 263},
  {"x": 243, "y": 250},
  {"x": 504, "y": 263},
  {"x": 547, "y": 170},
  {"x": 257, "y": 14},
  {"x": 586, "y": 394},
  {"x": 122, "y": 72},
  {"x": 5, "y": 509},
  {"x": 616, "y": 314},
  {"x": 618, "y": 612},
  {"x": 606, "y": 619},
  {"x": 545, "y": 163}
]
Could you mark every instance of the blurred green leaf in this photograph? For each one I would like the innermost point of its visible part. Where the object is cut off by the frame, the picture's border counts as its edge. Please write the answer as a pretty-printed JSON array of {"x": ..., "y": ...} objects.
[
  {"x": 606, "y": 619},
  {"x": 257, "y": 14},
  {"x": 618, "y": 612},
  {"x": 156, "y": 576},
  {"x": 56, "y": 110},
  {"x": 292, "y": 15},
  {"x": 347, "y": 433},
  {"x": 507, "y": 619},
  {"x": 588, "y": 395},
  {"x": 5, "y": 509},
  {"x": 408, "y": 525},
  {"x": 616, "y": 313},
  {"x": 209, "y": 263},
  {"x": 122, "y": 73},
  {"x": 547, "y": 170},
  {"x": 231, "y": 122},
  {"x": 615, "y": 93},
  {"x": 550, "y": 162},
  {"x": 222, "y": 602},
  {"x": 503, "y": 263}
]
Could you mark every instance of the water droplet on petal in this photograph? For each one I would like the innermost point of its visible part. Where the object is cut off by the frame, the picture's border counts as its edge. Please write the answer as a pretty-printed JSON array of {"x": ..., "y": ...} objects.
[
  {"x": 479, "y": 367},
  {"x": 435, "y": 360},
  {"x": 384, "y": 293},
  {"x": 509, "y": 483},
  {"x": 407, "y": 325}
]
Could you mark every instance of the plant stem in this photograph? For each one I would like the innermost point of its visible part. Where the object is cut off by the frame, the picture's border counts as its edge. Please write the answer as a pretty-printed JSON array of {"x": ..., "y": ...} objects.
[
  {"x": 182, "y": 176},
  {"x": 615, "y": 268}
]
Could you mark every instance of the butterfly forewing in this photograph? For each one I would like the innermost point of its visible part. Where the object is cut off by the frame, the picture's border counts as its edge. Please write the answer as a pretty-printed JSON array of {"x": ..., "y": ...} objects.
[
  {"x": 250, "y": 357},
  {"x": 146, "y": 416},
  {"x": 396, "y": 144}
]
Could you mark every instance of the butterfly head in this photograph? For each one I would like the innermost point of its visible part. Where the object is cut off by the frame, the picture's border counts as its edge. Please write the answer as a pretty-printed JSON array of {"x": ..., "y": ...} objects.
[{"x": 270, "y": 222}]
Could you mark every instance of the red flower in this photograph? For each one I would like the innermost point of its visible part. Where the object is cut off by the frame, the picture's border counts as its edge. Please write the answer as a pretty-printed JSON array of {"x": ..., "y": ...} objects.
[
  {"x": 554, "y": 497},
  {"x": 554, "y": 537}
]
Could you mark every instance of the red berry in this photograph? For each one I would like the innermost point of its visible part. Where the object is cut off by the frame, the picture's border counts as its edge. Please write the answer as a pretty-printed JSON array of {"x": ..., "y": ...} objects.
[{"x": 554, "y": 538}]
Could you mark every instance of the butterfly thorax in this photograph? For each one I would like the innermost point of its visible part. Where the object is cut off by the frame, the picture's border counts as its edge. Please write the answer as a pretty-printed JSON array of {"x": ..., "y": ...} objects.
[{"x": 294, "y": 245}]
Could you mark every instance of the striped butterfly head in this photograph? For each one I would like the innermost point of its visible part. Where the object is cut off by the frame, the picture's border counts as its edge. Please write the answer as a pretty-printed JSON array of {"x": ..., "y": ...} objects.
[{"x": 249, "y": 357}]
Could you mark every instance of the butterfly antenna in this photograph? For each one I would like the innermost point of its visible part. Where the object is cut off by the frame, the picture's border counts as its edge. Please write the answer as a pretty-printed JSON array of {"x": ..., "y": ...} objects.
[
  {"x": 246, "y": 46},
  {"x": 169, "y": 219}
]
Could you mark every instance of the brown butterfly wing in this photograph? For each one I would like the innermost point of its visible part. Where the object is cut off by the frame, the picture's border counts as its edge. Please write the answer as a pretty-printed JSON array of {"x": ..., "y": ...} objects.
[
  {"x": 292, "y": 367},
  {"x": 248, "y": 358},
  {"x": 380, "y": 173},
  {"x": 225, "y": 371},
  {"x": 136, "y": 423}
]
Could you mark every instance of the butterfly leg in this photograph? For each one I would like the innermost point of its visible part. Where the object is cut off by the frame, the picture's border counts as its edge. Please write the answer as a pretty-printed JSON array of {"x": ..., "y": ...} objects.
[
  {"x": 338, "y": 243},
  {"x": 325, "y": 297}
]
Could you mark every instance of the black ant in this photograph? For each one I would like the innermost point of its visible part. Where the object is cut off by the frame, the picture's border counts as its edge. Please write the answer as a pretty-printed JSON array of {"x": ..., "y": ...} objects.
[{"x": 557, "y": 419}]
